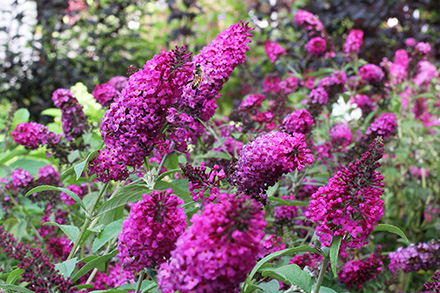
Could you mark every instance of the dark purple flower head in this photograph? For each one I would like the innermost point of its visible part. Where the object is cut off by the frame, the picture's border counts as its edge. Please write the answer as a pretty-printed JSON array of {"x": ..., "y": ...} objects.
[
  {"x": 425, "y": 73},
  {"x": 264, "y": 160},
  {"x": 357, "y": 272},
  {"x": 310, "y": 260},
  {"x": 72, "y": 115},
  {"x": 353, "y": 42},
  {"x": 19, "y": 179},
  {"x": 371, "y": 73},
  {"x": 105, "y": 94},
  {"x": 318, "y": 96},
  {"x": 273, "y": 50},
  {"x": 217, "y": 60},
  {"x": 218, "y": 250},
  {"x": 252, "y": 101},
  {"x": 59, "y": 247},
  {"x": 316, "y": 46},
  {"x": 289, "y": 84},
  {"x": 201, "y": 181},
  {"x": 299, "y": 121},
  {"x": 350, "y": 205},
  {"x": 309, "y": 22},
  {"x": 364, "y": 103},
  {"x": 384, "y": 126},
  {"x": 48, "y": 176},
  {"x": 423, "y": 256},
  {"x": 150, "y": 232},
  {"x": 39, "y": 273},
  {"x": 32, "y": 135},
  {"x": 132, "y": 126},
  {"x": 435, "y": 285},
  {"x": 286, "y": 213},
  {"x": 118, "y": 82},
  {"x": 341, "y": 135},
  {"x": 424, "y": 48},
  {"x": 116, "y": 276}
]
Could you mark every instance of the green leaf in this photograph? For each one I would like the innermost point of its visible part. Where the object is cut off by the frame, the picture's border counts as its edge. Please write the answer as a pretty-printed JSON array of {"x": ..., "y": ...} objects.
[
  {"x": 66, "y": 267},
  {"x": 54, "y": 112},
  {"x": 110, "y": 231},
  {"x": 391, "y": 229},
  {"x": 169, "y": 172},
  {"x": 14, "y": 276},
  {"x": 217, "y": 155},
  {"x": 73, "y": 156},
  {"x": 334, "y": 252},
  {"x": 79, "y": 168},
  {"x": 71, "y": 231},
  {"x": 93, "y": 264},
  {"x": 180, "y": 188},
  {"x": 303, "y": 248},
  {"x": 20, "y": 116},
  {"x": 109, "y": 291},
  {"x": 29, "y": 165},
  {"x": 15, "y": 288},
  {"x": 8, "y": 155},
  {"x": 67, "y": 191},
  {"x": 291, "y": 275},
  {"x": 172, "y": 161},
  {"x": 127, "y": 194},
  {"x": 271, "y": 287},
  {"x": 326, "y": 290},
  {"x": 288, "y": 202}
]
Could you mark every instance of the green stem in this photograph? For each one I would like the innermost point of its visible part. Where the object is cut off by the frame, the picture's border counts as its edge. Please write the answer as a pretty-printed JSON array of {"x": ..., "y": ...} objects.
[
  {"x": 321, "y": 274},
  {"x": 141, "y": 278},
  {"x": 87, "y": 222}
]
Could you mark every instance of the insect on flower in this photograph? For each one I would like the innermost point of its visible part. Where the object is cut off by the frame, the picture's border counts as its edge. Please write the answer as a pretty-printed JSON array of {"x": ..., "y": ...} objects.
[{"x": 199, "y": 75}]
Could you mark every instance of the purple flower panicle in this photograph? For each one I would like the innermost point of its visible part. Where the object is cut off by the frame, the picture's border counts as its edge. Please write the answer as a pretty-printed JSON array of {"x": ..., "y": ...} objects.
[
  {"x": 264, "y": 160},
  {"x": 357, "y": 272},
  {"x": 316, "y": 46},
  {"x": 300, "y": 121},
  {"x": 32, "y": 135},
  {"x": 72, "y": 115},
  {"x": 150, "y": 232},
  {"x": 218, "y": 250},
  {"x": 423, "y": 256},
  {"x": 353, "y": 42},
  {"x": 383, "y": 126},
  {"x": 273, "y": 50},
  {"x": 371, "y": 73},
  {"x": 350, "y": 205}
]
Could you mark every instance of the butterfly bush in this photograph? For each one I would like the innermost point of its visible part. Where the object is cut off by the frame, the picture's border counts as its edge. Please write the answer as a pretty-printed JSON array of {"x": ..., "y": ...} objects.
[
  {"x": 353, "y": 42},
  {"x": 273, "y": 50},
  {"x": 264, "y": 160},
  {"x": 299, "y": 121},
  {"x": 116, "y": 276},
  {"x": 423, "y": 256},
  {"x": 316, "y": 46},
  {"x": 371, "y": 73},
  {"x": 340, "y": 135},
  {"x": 72, "y": 115},
  {"x": 38, "y": 271},
  {"x": 32, "y": 135},
  {"x": 218, "y": 250},
  {"x": 383, "y": 126},
  {"x": 150, "y": 232},
  {"x": 201, "y": 181},
  {"x": 349, "y": 205},
  {"x": 218, "y": 60},
  {"x": 132, "y": 126},
  {"x": 356, "y": 273}
]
